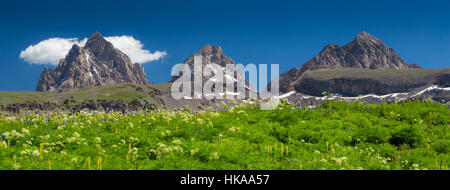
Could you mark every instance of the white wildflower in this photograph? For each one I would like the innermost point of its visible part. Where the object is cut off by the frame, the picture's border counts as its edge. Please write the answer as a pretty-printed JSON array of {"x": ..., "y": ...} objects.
[
  {"x": 176, "y": 141},
  {"x": 25, "y": 131},
  {"x": 194, "y": 151},
  {"x": 161, "y": 145},
  {"x": 36, "y": 153},
  {"x": 134, "y": 140},
  {"x": 214, "y": 156}
]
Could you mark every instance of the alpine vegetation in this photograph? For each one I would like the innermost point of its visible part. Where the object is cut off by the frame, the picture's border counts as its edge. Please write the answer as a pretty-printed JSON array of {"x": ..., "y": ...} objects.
[{"x": 337, "y": 135}]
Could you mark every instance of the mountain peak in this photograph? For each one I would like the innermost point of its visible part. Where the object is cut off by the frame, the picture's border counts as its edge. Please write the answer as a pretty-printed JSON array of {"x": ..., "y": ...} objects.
[
  {"x": 364, "y": 34},
  {"x": 364, "y": 52},
  {"x": 100, "y": 46},
  {"x": 366, "y": 37},
  {"x": 96, "y": 39},
  {"x": 213, "y": 54},
  {"x": 210, "y": 54},
  {"x": 96, "y": 35},
  {"x": 95, "y": 64},
  {"x": 211, "y": 49}
]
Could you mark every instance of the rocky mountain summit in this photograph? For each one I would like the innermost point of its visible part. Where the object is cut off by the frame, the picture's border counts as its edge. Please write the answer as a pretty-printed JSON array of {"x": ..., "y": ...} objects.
[
  {"x": 97, "y": 63},
  {"x": 214, "y": 55},
  {"x": 364, "y": 52},
  {"x": 210, "y": 54}
]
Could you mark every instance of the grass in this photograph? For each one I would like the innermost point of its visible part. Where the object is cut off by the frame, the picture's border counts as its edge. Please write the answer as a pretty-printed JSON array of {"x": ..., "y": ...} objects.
[
  {"x": 120, "y": 92},
  {"x": 382, "y": 74},
  {"x": 336, "y": 135}
]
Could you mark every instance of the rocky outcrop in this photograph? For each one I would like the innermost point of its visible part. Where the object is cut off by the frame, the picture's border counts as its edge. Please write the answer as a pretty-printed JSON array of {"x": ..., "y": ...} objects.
[
  {"x": 106, "y": 106},
  {"x": 115, "y": 106},
  {"x": 442, "y": 79},
  {"x": 95, "y": 64},
  {"x": 365, "y": 51},
  {"x": 354, "y": 82},
  {"x": 19, "y": 107},
  {"x": 353, "y": 86}
]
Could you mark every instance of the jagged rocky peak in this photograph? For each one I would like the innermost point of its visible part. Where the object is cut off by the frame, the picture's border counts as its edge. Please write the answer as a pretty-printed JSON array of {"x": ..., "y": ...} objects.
[
  {"x": 208, "y": 49},
  {"x": 213, "y": 51},
  {"x": 99, "y": 46},
  {"x": 367, "y": 41},
  {"x": 213, "y": 54},
  {"x": 95, "y": 64},
  {"x": 95, "y": 39},
  {"x": 365, "y": 51},
  {"x": 366, "y": 37},
  {"x": 210, "y": 54}
]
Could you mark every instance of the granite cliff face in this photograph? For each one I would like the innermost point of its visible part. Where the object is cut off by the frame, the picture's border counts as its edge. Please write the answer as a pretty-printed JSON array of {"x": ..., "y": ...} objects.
[
  {"x": 95, "y": 64},
  {"x": 365, "y": 52}
]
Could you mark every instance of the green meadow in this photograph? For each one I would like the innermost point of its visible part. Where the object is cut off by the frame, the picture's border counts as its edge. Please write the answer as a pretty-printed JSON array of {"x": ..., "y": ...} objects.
[{"x": 337, "y": 135}]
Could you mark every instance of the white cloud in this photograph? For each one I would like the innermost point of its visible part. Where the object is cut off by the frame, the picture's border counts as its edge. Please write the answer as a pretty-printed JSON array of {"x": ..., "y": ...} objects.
[
  {"x": 134, "y": 49},
  {"x": 50, "y": 51}
]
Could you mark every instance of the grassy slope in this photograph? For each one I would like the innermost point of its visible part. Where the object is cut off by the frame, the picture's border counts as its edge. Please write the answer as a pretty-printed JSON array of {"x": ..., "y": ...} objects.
[
  {"x": 120, "y": 92},
  {"x": 397, "y": 75}
]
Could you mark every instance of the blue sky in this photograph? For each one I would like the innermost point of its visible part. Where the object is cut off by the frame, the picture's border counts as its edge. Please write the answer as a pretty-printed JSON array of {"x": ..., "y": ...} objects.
[{"x": 288, "y": 33}]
